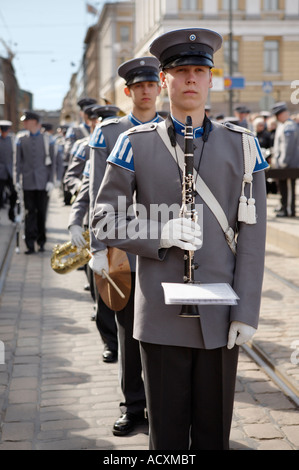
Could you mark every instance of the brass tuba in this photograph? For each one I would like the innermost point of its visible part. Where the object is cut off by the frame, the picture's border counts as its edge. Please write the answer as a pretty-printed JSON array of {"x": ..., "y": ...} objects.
[{"x": 67, "y": 257}]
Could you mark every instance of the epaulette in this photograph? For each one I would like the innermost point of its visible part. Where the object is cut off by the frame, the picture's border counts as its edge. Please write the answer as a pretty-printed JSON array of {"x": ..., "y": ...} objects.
[
  {"x": 107, "y": 122},
  {"x": 235, "y": 128},
  {"x": 148, "y": 127}
]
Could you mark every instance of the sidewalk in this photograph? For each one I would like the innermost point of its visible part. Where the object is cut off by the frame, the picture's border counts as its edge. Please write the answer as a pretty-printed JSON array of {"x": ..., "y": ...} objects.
[{"x": 57, "y": 394}]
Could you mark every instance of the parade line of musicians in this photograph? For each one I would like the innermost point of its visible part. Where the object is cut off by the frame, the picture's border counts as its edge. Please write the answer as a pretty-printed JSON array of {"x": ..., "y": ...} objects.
[{"x": 177, "y": 375}]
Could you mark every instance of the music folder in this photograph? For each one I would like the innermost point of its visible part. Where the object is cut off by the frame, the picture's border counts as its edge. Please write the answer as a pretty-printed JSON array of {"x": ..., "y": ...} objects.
[{"x": 199, "y": 294}]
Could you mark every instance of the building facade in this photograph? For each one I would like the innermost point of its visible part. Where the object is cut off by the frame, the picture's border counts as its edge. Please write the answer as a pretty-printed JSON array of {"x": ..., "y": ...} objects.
[
  {"x": 265, "y": 49},
  {"x": 108, "y": 43},
  {"x": 265, "y": 45}
]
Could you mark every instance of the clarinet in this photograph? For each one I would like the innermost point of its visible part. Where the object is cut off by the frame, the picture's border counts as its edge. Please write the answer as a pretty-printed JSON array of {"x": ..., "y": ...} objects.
[{"x": 188, "y": 211}]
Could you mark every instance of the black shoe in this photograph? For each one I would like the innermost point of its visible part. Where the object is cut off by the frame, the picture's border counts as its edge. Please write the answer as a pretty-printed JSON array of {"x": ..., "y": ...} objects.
[
  {"x": 126, "y": 423},
  {"x": 29, "y": 251},
  {"x": 282, "y": 214},
  {"x": 11, "y": 215},
  {"x": 41, "y": 249},
  {"x": 109, "y": 355}
]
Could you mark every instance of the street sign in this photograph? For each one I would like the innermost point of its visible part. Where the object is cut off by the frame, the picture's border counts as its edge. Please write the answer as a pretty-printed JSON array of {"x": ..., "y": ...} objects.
[
  {"x": 234, "y": 83},
  {"x": 267, "y": 87},
  {"x": 267, "y": 103},
  {"x": 218, "y": 80}
]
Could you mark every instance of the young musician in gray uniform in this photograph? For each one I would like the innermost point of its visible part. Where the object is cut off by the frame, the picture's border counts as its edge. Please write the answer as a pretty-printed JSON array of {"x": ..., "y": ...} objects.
[
  {"x": 79, "y": 222},
  {"x": 286, "y": 155},
  {"x": 73, "y": 134},
  {"x": 189, "y": 364},
  {"x": 73, "y": 176},
  {"x": 6, "y": 167},
  {"x": 142, "y": 85},
  {"x": 35, "y": 167}
]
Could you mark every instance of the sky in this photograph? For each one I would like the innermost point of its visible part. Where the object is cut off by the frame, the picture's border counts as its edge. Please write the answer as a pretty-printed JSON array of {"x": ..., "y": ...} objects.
[{"x": 48, "y": 41}]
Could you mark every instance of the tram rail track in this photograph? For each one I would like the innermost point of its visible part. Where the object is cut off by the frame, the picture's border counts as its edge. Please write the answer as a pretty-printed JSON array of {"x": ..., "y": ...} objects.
[{"x": 264, "y": 360}]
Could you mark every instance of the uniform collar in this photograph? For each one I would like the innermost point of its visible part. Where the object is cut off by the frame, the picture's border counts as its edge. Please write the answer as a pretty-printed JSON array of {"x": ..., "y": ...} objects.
[
  {"x": 136, "y": 121},
  {"x": 180, "y": 128},
  {"x": 36, "y": 134}
]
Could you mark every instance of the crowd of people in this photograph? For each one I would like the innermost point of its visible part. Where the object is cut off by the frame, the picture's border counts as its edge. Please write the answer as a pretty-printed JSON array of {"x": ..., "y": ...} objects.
[{"x": 177, "y": 374}]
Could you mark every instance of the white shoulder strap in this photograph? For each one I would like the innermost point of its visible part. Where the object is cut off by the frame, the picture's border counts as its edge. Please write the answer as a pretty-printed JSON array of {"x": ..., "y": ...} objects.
[
  {"x": 48, "y": 160},
  {"x": 84, "y": 130},
  {"x": 247, "y": 210},
  {"x": 201, "y": 188}
]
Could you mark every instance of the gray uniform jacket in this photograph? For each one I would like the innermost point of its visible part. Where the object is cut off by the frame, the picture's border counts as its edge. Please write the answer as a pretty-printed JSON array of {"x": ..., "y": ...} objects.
[
  {"x": 79, "y": 214},
  {"x": 286, "y": 145},
  {"x": 6, "y": 158},
  {"x": 73, "y": 134},
  {"x": 32, "y": 162},
  {"x": 102, "y": 143},
  {"x": 144, "y": 167},
  {"x": 73, "y": 175}
]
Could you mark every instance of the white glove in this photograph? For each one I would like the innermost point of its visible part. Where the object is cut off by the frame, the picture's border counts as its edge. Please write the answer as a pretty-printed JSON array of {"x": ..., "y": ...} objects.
[
  {"x": 18, "y": 187},
  {"x": 99, "y": 261},
  {"x": 183, "y": 233},
  {"x": 77, "y": 238},
  {"x": 239, "y": 333},
  {"x": 49, "y": 187}
]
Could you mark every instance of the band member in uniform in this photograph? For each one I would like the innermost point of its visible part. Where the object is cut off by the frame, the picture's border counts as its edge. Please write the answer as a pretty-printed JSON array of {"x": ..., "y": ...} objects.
[
  {"x": 189, "y": 364},
  {"x": 6, "y": 168},
  {"x": 285, "y": 155},
  {"x": 142, "y": 85},
  {"x": 79, "y": 222},
  {"x": 35, "y": 167},
  {"x": 80, "y": 155},
  {"x": 75, "y": 133}
]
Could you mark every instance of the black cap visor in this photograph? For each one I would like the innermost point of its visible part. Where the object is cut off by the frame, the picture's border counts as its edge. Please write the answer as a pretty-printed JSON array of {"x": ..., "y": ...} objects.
[
  {"x": 190, "y": 54},
  {"x": 188, "y": 60},
  {"x": 142, "y": 76}
]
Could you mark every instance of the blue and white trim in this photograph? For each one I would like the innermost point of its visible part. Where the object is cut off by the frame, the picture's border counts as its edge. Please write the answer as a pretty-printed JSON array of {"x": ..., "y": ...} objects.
[
  {"x": 122, "y": 153},
  {"x": 261, "y": 163},
  {"x": 97, "y": 139}
]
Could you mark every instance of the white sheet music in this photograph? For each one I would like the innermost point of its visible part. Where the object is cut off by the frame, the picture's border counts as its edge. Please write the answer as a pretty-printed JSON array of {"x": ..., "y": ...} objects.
[{"x": 199, "y": 294}]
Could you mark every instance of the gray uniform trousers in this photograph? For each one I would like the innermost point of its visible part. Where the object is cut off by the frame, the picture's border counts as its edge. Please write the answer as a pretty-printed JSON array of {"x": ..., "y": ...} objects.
[{"x": 167, "y": 372}]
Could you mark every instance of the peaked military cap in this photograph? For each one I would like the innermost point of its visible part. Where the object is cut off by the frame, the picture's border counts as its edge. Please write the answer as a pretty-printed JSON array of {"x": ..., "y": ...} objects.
[
  {"x": 83, "y": 102},
  {"x": 47, "y": 126},
  {"x": 242, "y": 109},
  {"x": 142, "y": 69},
  {"x": 105, "y": 111},
  {"x": 27, "y": 115},
  {"x": 191, "y": 46},
  {"x": 5, "y": 125},
  {"x": 279, "y": 108}
]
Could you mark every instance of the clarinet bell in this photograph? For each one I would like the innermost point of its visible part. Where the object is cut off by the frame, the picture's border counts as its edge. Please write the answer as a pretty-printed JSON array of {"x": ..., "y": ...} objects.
[{"x": 190, "y": 311}]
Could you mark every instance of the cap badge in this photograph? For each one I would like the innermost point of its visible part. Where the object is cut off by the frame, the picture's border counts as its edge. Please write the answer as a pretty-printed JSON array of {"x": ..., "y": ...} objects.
[
  {"x": 192, "y": 37},
  {"x": 142, "y": 62}
]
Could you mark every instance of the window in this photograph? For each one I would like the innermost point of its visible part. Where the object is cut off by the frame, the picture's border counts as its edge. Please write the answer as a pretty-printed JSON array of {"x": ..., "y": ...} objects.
[
  {"x": 189, "y": 4},
  {"x": 235, "y": 5},
  {"x": 124, "y": 32},
  {"x": 235, "y": 57},
  {"x": 270, "y": 5},
  {"x": 271, "y": 56}
]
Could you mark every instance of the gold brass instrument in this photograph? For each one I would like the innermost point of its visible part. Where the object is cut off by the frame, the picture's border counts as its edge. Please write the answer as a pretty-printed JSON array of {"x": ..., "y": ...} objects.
[
  {"x": 114, "y": 288},
  {"x": 118, "y": 281},
  {"x": 188, "y": 211},
  {"x": 67, "y": 257}
]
